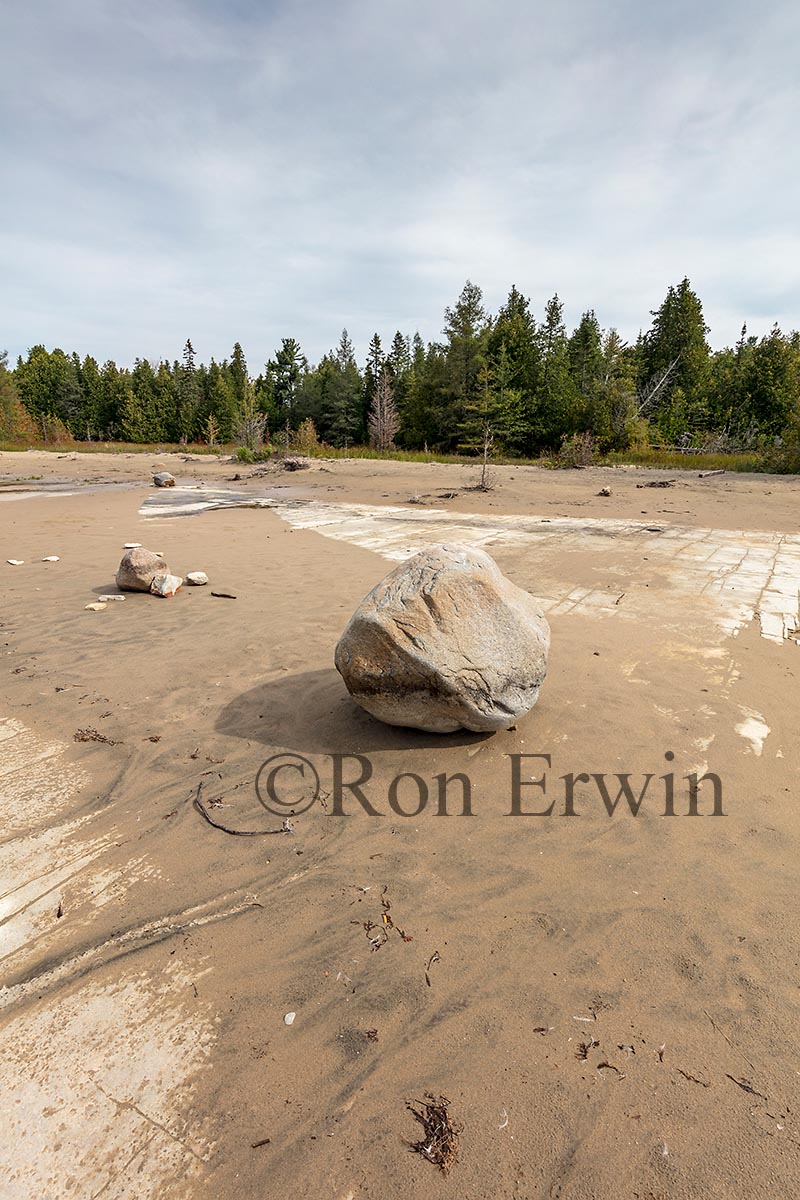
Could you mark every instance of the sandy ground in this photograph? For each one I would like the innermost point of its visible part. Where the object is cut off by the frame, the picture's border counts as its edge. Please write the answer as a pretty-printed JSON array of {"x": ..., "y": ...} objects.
[{"x": 610, "y": 1003}]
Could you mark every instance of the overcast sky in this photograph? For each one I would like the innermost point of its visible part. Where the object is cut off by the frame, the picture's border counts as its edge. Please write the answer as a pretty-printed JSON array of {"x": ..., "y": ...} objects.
[{"x": 249, "y": 170}]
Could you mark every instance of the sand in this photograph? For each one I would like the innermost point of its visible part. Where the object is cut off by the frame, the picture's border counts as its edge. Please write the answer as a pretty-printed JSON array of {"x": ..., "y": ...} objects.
[{"x": 609, "y": 1002}]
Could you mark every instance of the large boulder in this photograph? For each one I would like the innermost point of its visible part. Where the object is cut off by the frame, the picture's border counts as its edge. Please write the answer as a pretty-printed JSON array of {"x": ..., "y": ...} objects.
[
  {"x": 164, "y": 479},
  {"x": 138, "y": 569},
  {"x": 446, "y": 642}
]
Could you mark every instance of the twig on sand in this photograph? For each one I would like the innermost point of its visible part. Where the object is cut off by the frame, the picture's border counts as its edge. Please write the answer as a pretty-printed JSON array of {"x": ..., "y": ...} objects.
[
  {"x": 723, "y": 1034},
  {"x": 440, "y": 1144},
  {"x": 434, "y": 958},
  {"x": 746, "y": 1086},
  {"x": 223, "y": 595},
  {"x": 201, "y": 808}
]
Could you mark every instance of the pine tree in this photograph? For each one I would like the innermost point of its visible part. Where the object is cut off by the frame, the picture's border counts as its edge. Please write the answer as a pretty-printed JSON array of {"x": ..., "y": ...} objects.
[
  {"x": 678, "y": 336},
  {"x": 514, "y": 356},
  {"x": 557, "y": 393},
  {"x": 586, "y": 353},
  {"x": 344, "y": 395},
  {"x": 466, "y": 329},
  {"x": 285, "y": 373},
  {"x": 188, "y": 394},
  {"x": 372, "y": 372}
]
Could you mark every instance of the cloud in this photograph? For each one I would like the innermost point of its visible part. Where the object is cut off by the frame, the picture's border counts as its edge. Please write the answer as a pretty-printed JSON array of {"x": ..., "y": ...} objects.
[{"x": 247, "y": 171}]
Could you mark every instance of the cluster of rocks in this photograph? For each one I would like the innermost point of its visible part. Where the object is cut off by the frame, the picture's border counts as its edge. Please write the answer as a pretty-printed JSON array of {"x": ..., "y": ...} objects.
[
  {"x": 147, "y": 571},
  {"x": 446, "y": 642}
]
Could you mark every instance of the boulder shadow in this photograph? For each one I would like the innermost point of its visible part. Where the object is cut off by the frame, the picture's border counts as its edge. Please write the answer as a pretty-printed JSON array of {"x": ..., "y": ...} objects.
[{"x": 312, "y": 711}]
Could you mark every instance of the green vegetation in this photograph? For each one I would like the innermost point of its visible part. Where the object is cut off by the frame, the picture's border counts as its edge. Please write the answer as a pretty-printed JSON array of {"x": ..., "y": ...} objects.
[{"x": 544, "y": 394}]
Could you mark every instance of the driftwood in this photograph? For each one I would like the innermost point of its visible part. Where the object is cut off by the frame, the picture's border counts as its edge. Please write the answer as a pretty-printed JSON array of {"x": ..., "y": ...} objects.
[{"x": 201, "y": 808}]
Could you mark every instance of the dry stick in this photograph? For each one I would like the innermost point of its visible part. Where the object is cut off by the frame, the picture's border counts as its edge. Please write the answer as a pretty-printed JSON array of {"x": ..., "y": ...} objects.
[{"x": 201, "y": 808}]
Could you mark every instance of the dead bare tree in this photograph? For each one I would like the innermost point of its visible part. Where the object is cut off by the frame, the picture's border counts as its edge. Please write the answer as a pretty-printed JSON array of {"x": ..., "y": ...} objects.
[
  {"x": 383, "y": 419},
  {"x": 654, "y": 387},
  {"x": 487, "y": 480}
]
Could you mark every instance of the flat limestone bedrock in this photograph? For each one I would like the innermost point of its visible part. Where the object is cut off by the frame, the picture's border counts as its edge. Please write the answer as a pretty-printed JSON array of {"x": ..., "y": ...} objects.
[{"x": 446, "y": 642}]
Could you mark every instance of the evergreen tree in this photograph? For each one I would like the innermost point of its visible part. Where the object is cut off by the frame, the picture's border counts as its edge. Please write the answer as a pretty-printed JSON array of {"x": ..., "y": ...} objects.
[
  {"x": 188, "y": 394},
  {"x": 466, "y": 329},
  {"x": 344, "y": 395},
  {"x": 372, "y": 373},
  {"x": 514, "y": 356},
  {"x": 285, "y": 373},
  {"x": 678, "y": 335},
  {"x": 556, "y": 395},
  {"x": 586, "y": 353},
  {"x": 772, "y": 384}
]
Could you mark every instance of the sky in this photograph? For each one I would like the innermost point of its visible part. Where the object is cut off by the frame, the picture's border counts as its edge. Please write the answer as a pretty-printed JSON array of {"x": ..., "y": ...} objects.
[{"x": 248, "y": 170}]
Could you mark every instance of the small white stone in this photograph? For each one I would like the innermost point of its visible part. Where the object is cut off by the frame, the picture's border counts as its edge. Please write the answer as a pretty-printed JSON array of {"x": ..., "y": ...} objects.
[
  {"x": 16, "y": 562},
  {"x": 97, "y": 606},
  {"x": 132, "y": 546},
  {"x": 197, "y": 578},
  {"x": 289, "y": 1018},
  {"x": 166, "y": 585},
  {"x": 108, "y": 599},
  {"x": 51, "y": 558}
]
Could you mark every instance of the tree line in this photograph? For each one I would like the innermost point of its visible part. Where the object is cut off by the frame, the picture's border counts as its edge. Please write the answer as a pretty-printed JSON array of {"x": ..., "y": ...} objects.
[{"x": 524, "y": 377}]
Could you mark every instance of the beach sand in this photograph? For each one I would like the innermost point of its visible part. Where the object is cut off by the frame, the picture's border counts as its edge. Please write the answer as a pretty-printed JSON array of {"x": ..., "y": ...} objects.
[{"x": 609, "y": 1002}]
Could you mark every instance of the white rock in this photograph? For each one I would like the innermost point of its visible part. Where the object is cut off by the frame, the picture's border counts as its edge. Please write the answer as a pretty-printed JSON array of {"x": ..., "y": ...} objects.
[
  {"x": 16, "y": 562},
  {"x": 108, "y": 599},
  {"x": 197, "y": 578},
  {"x": 131, "y": 545},
  {"x": 289, "y": 1018},
  {"x": 446, "y": 642},
  {"x": 52, "y": 558},
  {"x": 97, "y": 606},
  {"x": 166, "y": 585}
]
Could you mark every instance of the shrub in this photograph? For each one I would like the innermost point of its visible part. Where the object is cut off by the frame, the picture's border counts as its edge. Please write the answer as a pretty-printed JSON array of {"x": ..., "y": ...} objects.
[{"x": 579, "y": 450}]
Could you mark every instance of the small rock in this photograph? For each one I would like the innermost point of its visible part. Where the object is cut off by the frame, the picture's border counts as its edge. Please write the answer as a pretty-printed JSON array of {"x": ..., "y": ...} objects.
[
  {"x": 295, "y": 463},
  {"x": 164, "y": 479},
  {"x": 108, "y": 599},
  {"x": 605, "y": 491},
  {"x": 138, "y": 569},
  {"x": 16, "y": 562},
  {"x": 51, "y": 558},
  {"x": 289, "y": 1018},
  {"x": 97, "y": 606},
  {"x": 166, "y": 585},
  {"x": 197, "y": 578},
  {"x": 131, "y": 545}
]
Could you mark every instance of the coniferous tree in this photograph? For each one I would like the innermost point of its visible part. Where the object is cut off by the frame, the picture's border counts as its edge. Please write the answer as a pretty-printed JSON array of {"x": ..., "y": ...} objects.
[
  {"x": 678, "y": 335},
  {"x": 556, "y": 394},
  {"x": 285, "y": 373},
  {"x": 344, "y": 396},
  {"x": 466, "y": 329},
  {"x": 188, "y": 394},
  {"x": 372, "y": 373}
]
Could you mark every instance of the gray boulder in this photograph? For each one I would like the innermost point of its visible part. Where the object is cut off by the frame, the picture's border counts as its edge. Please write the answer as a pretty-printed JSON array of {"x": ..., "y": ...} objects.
[
  {"x": 164, "y": 479},
  {"x": 138, "y": 569},
  {"x": 446, "y": 642}
]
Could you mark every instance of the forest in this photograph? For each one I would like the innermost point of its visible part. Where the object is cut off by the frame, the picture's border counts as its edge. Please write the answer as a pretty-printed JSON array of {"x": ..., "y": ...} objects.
[{"x": 518, "y": 380}]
